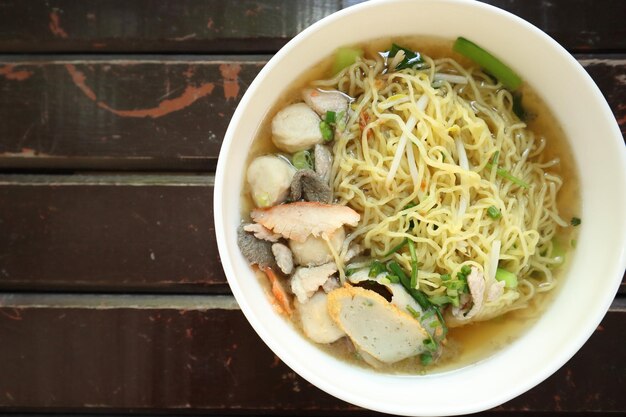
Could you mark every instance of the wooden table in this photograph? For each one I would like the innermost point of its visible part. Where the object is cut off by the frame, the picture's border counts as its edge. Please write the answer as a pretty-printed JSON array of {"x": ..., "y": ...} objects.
[{"x": 112, "y": 297}]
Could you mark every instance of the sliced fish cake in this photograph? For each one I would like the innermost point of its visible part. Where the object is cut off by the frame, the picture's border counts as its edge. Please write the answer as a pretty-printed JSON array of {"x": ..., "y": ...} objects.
[{"x": 376, "y": 326}]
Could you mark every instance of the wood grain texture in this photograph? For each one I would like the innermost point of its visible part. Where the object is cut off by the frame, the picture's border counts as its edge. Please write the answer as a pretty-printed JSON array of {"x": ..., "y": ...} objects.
[
  {"x": 159, "y": 114},
  {"x": 111, "y": 234},
  {"x": 251, "y": 26},
  {"x": 119, "y": 114},
  {"x": 115, "y": 238},
  {"x": 103, "y": 360}
]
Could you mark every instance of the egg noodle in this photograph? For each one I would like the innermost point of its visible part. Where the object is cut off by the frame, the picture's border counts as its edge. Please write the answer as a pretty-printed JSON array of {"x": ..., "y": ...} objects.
[{"x": 425, "y": 154}]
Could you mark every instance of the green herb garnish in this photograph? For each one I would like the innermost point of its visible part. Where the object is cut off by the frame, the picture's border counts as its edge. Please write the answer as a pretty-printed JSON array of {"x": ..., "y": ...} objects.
[
  {"x": 506, "y": 174},
  {"x": 416, "y": 314},
  {"x": 350, "y": 271},
  {"x": 509, "y": 278},
  {"x": 413, "y": 264},
  {"x": 411, "y": 58},
  {"x": 493, "y": 212},
  {"x": 302, "y": 160},
  {"x": 426, "y": 358},
  {"x": 490, "y": 63},
  {"x": 327, "y": 131},
  {"x": 344, "y": 57},
  {"x": 397, "y": 247},
  {"x": 376, "y": 267},
  {"x": 575, "y": 221}
]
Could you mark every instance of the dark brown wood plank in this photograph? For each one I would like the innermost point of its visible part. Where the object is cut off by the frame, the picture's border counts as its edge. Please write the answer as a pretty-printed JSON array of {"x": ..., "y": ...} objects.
[
  {"x": 609, "y": 73},
  {"x": 139, "y": 234},
  {"x": 154, "y": 114},
  {"x": 110, "y": 234},
  {"x": 119, "y": 114},
  {"x": 176, "y": 360},
  {"x": 250, "y": 25}
]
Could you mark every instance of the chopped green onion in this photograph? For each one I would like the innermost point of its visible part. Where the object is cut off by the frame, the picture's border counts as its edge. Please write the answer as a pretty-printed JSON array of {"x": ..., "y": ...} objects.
[
  {"x": 344, "y": 57},
  {"x": 376, "y": 268},
  {"x": 350, "y": 271},
  {"x": 393, "y": 279},
  {"x": 489, "y": 62},
  {"x": 493, "y": 212},
  {"x": 419, "y": 296},
  {"x": 414, "y": 313},
  {"x": 506, "y": 174},
  {"x": 455, "y": 285},
  {"x": 575, "y": 221},
  {"x": 327, "y": 131},
  {"x": 440, "y": 300},
  {"x": 413, "y": 264},
  {"x": 444, "y": 327},
  {"x": 426, "y": 358},
  {"x": 411, "y": 58},
  {"x": 397, "y": 247},
  {"x": 330, "y": 117},
  {"x": 509, "y": 278},
  {"x": 496, "y": 156},
  {"x": 464, "y": 272},
  {"x": 430, "y": 344},
  {"x": 445, "y": 277},
  {"x": 302, "y": 160}
]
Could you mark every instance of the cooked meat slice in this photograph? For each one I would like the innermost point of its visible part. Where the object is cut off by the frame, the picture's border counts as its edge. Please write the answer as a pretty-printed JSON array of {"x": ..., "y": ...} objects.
[
  {"x": 323, "y": 101},
  {"x": 354, "y": 250},
  {"x": 316, "y": 321},
  {"x": 323, "y": 162},
  {"x": 476, "y": 284},
  {"x": 376, "y": 326},
  {"x": 331, "y": 284},
  {"x": 306, "y": 281},
  {"x": 495, "y": 291},
  {"x": 296, "y": 128},
  {"x": 308, "y": 185},
  {"x": 256, "y": 251},
  {"x": 283, "y": 257},
  {"x": 261, "y": 232},
  {"x": 299, "y": 220}
]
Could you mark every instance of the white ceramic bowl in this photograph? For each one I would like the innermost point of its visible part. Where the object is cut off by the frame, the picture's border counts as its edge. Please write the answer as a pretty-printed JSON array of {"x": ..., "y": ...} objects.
[{"x": 600, "y": 259}]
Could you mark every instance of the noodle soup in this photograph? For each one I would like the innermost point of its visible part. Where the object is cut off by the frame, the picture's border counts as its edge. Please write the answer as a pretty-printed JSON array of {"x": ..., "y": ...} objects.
[{"x": 450, "y": 216}]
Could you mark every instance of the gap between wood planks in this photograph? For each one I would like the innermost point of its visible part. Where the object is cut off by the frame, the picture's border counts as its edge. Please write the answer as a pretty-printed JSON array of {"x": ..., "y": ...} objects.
[
  {"x": 114, "y": 301},
  {"x": 130, "y": 59},
  {"x": 148, "y": 301},
  {"x": 129, "y": 179}
]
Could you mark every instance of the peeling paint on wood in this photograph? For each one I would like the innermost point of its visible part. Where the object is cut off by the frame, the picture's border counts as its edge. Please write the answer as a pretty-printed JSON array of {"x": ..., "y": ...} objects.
[{"x": 165, "y": 115}]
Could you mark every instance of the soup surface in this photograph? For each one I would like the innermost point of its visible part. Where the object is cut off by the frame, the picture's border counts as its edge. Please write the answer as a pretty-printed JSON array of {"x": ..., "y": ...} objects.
[{"x": 490, "y": 191}]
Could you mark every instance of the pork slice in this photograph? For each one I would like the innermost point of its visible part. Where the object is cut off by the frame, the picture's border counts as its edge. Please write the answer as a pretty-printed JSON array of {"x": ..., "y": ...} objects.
[{"x": 299, "y": 220}]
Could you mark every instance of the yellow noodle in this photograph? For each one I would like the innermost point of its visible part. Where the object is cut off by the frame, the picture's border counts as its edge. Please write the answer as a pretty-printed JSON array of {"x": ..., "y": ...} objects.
[{"x": 446, "y": 236}]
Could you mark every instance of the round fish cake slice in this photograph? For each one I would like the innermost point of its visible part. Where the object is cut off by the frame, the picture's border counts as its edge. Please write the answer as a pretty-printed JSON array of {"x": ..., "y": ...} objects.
[{"x": 376, "y": 326}]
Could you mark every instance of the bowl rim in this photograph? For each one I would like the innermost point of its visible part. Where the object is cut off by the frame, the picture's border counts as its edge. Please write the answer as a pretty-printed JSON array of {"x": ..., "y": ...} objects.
[{"x": 558, "y": 358}]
